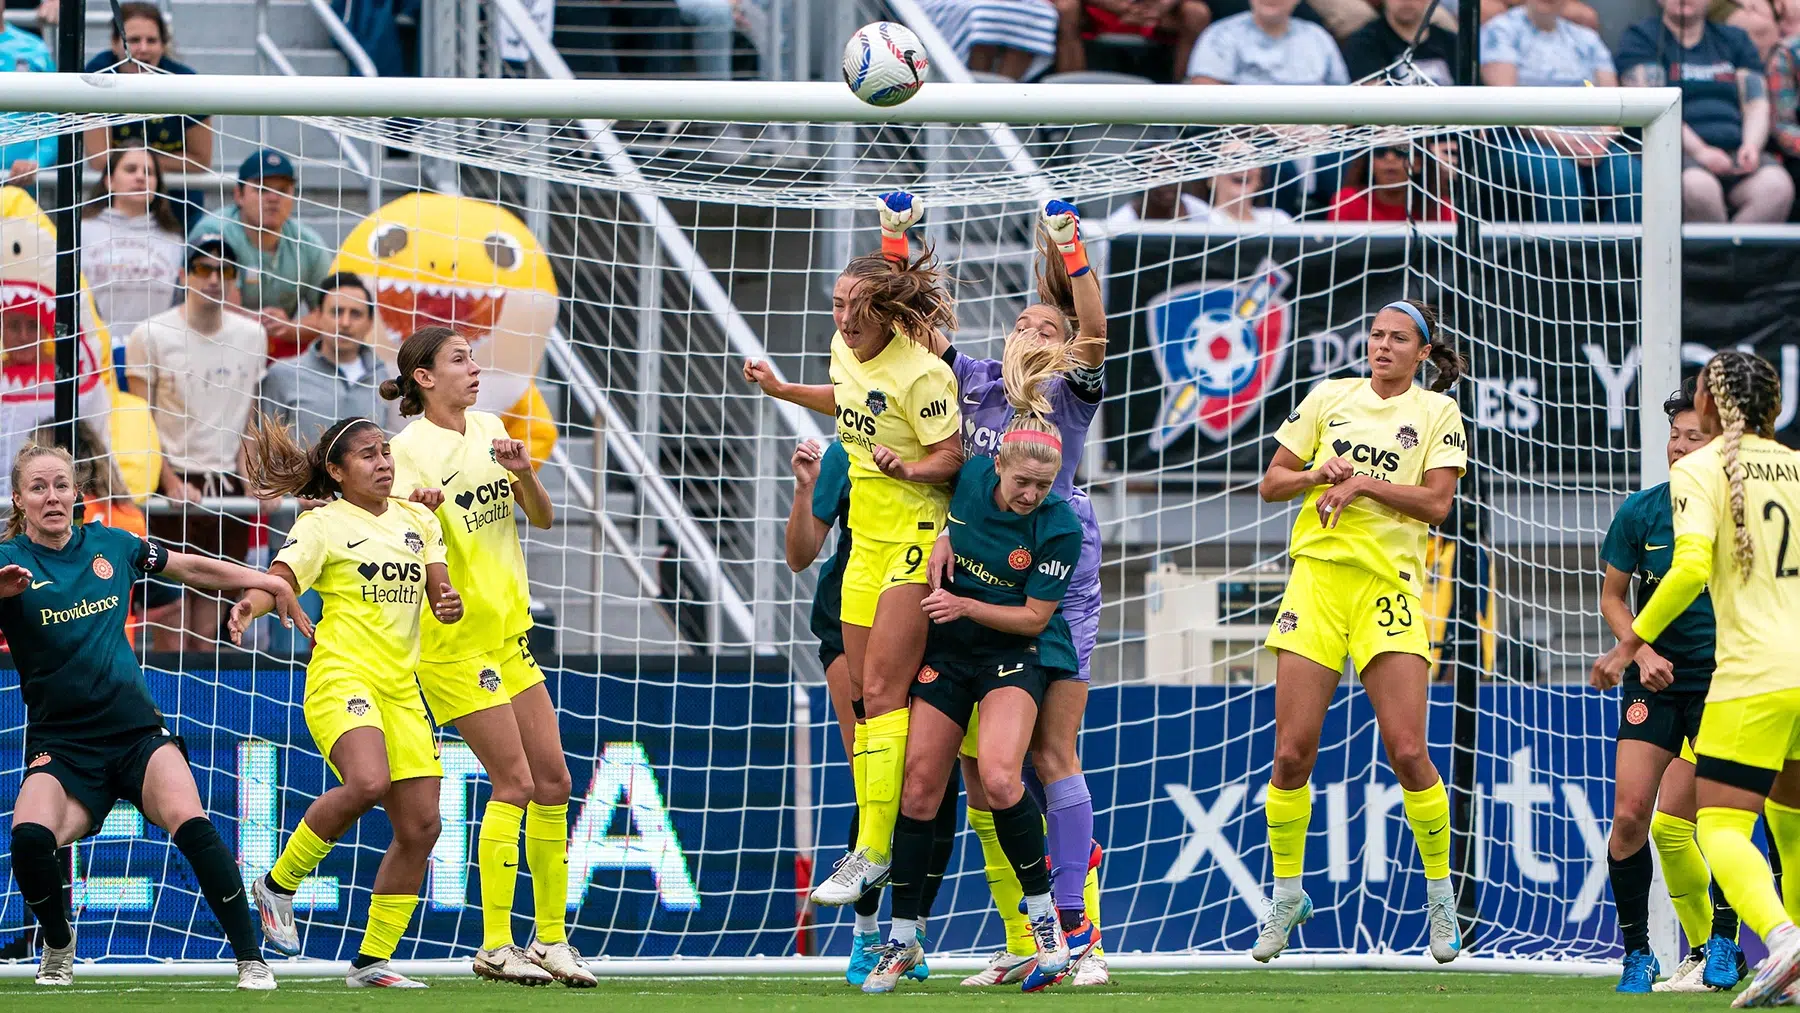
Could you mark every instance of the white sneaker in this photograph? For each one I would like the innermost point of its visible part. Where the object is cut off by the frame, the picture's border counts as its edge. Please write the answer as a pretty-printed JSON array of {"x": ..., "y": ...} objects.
[
  {"x": 854, "y": 875},
  {"x": 1052, "y": 944},
  {"x": 255, "y": 976},
  {"x": 1092, "y": 970},
  {"x": 277, "y": 913},
  {"x": 563, "y": 962},
  {"x": 1446, "y": 937},
  {"x": 379, "y": 975},
  {"x": 1688, "y": 976},
  {"x": 509, "y": 963},
  {"x": 1284, "y": 914},
  {"x": 1003, "y": 968},
  {"x": 1773, "y": 976},
  {"x": 895, "y": 960},
  {"x": 56, "y": 964}
]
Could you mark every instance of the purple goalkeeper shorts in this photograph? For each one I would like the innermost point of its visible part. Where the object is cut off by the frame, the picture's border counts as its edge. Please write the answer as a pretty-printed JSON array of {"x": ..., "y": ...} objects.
[{"x": 1081, "y": 610}]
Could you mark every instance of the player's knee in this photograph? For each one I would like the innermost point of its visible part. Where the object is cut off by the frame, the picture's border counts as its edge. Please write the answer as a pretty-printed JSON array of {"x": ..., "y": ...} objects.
[
  {"x": 417, "y": 831},
  {"x": 1412, "y": 764},
  {"x": 514, "y": 784},
  {"x": 551, "y": 787},
  {"x": 1631, "y": 822},
  {"x": 367, "y": 787},
  {"x": 917, "y": 800},
  {"x": 1294, "y": 761},
  {"x": 1001, "y": 786},
  {"x": 1055, "y": 761},
  {"x": 32, "y": 842}
]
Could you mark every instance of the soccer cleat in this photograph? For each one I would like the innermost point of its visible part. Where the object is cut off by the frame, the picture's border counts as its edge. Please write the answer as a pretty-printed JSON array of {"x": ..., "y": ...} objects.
[
  {"x": 893, "y": 961},
  {"x": 1091, "y": 970},
  {"x": 1003, "y": 968},
  {"x": 920, "y": 971},
  {"x": 1080, "y": 943},
  {"x": 255, "y": 976},
  {"x": 1446, "y": 938},
  {"x": 854, "y": 875},
  {"x": 379, "y": 975},
  {"x": 563, "y": 962},
  {"x": 1094, "y": 855},
  {"x": 865, "y": 950},
  {"x": 1284, "y": 914},
  {"x": 1640, "y": 972},
  {"x": 1725, "y": 965},
  {"x": 1687, "y": 976},
  {"x": 277, "y": 912},
  {"x": 509, "y": 963},
  {"x": 56, "y": 964},
  {"x": 1052, "y": 953},
  {"x": 1773, "y": 976}
]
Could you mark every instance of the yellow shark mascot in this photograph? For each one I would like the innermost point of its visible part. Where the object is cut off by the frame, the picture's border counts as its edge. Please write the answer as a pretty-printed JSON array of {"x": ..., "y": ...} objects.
[{"x": 475, "y": 267}]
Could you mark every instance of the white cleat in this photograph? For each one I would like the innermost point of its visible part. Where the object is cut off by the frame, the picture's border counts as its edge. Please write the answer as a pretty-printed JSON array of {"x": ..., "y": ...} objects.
[
  {"x": 1773, "y": 976},
  {"x": 56, "y": 964},
  {"x": 379, "y": 975},
  {"x": 563, "y": 962},
  {"x": 1003, "y": 968},
  {"x": 510, "y": 964},
  {"x": 1052, "y": 945},
  {"x": 854, "y": 875},
  {"x": 1284, "y": 914},
  {"x": 255, "y": 976},
  {"x": 895, "y": 960},
  {"x": 1092, "y": 970},
  {"x": 277, "y": 912},
  {"x": 1688, "y": 977},
  {"x": 1446, "y": 938}
]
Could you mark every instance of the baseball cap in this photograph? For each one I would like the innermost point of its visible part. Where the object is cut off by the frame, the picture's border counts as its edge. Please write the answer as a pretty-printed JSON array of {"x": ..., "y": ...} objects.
[
  {"x": 267, "y": 162},
  {"x": 208, "y": 244}
]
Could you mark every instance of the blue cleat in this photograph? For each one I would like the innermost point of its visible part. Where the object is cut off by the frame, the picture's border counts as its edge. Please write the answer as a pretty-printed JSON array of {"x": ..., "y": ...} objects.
[
  {"x": 919, "y": 971},
  {"x": 865, "y": 950},
  {"x": 1080, "y": 943},
  {"x": 1725, "y": 964},
  {"x": 1640, "y": 972}
]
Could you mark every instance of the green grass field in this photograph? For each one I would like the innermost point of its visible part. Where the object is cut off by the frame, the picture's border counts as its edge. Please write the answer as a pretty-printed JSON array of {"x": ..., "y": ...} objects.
[{"x": 1221, "y": 992}]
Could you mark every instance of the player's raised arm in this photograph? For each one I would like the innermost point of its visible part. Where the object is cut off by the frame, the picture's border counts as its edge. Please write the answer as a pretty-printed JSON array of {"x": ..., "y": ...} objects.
[
  {"x": 806, "y": 533},
  {"x": 814, "y": 396},
  {"x": 528, "y": 489},
  {"x": 1066, "y": 280},
  {"x": 219, "y": 575}
]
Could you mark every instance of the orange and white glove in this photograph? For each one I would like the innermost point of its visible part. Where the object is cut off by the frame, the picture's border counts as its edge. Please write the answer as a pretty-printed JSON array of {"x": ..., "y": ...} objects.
[
  {"x": 1063, "y": 222},
  {"x": 899, "y": 211}
]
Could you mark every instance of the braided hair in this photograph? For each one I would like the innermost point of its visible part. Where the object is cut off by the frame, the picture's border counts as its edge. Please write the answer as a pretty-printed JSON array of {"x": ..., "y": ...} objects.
[{"x": 1747, "y": 391}]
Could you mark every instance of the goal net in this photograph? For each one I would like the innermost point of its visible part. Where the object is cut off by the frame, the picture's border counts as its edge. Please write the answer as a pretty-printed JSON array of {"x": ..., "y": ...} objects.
[{"x": 613, "y": 273}]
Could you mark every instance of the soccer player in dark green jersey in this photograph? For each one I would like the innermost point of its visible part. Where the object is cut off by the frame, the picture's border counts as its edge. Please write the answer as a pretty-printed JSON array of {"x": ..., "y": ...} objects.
[
  {"x": 93, "y": 736},
  {"x": 997, "y": 639}
]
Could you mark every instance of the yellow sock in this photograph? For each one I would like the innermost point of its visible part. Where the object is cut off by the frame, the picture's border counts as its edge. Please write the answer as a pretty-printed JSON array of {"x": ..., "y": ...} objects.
[
  {"x": 497, "y": 856},
  {"x": 1740, "y": 868},
  {"x": 1090, "y": 898},
  {"x": 1428, "y": 812},
  {"x": 389, "y": 914},
  {"x": 1288, "y": 810},
  {"x": 303, "y": 853},
  {"x": 1685, "y": 873},
  {"x": 886, "y": 762},
  {"x": 1003, "y": 883},
  {"x": 1784, "y": 834},
  {"x": 547, "y": 855},
  {"x": 859, "y": 766}
]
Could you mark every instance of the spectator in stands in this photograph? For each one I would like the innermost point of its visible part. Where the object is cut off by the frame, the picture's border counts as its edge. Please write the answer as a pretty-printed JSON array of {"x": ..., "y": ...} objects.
[
  {"x": 181, "y": 143},
  {"x": 1175, "y": 24},
  {"x": 1572, "y": 10},
  {"x": 1166, "y": 203},
  {"x": 336, "y": 376},
  {"x": 1375, "y": 46},
  {"x": 1767, "y": 22},
  {"x": 1231, "y": 199},
  {"x": 281, "y": 257},
  {"x": 1266, "y": 45},
  {"x": 199, "y": 366},
  {"x": 1534, "y": 46},
  {"x": 1402, "y": 187},
  {"x": 1784, "y": 83},
  {"x": 1002, "y": 37},
  {"x": 131, "y": 243},
  {"x": 714, "y": 24},
  {"x": 1725, "y": 112},
  {"x": 24, "y": 53}
]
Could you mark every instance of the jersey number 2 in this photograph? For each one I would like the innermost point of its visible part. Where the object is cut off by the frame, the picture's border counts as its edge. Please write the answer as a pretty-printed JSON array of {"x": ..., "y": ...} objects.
[{"x": 1782, "y": 569}]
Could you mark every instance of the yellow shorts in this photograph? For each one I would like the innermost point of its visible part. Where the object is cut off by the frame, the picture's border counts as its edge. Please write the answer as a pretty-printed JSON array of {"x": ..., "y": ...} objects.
[
  {"x": 973, "y": 735},
  {"x": 1687, "y": 748},
  {"x": 340, "y": 702},
  {"x": 1757, "y": 731},
  {"x": 1334, "y": 611},
  {"x": 874, "y": 567},
  {"x": 454, "y": 689}
]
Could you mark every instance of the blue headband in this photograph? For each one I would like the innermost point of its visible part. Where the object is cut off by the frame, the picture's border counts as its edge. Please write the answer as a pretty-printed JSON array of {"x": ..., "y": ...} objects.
[{"x": 1418, "y": 318}]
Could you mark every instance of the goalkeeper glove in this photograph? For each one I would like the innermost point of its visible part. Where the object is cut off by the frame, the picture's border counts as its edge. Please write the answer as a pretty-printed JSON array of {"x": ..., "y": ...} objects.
[
  {"x": 1063, "y": 222},
  {"x": 899, "y": 211}
]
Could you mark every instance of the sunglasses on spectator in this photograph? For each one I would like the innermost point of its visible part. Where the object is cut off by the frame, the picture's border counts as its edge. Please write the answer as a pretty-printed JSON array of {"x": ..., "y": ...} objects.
[
  {"x": 205, "y": 269},
  {"x": 1396, "y": 152}
]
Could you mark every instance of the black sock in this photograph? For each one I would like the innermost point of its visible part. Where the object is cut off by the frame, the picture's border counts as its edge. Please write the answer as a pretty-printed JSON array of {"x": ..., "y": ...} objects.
[
  {"x": 364, "y": 960},
  {"x": 943, "y": 841},
  {"x": 869, "y": 904},
  {"x": 1020, "y": 828},
  {"x": 1631, "y": 896},
  {"x": 269, "y": 884},
  {"x": 220, "y": 883},
  {"x": 40, "y": 881},
  {"x": 1725, "y": 917},
  {"x": 912, "y": 859},
  {"x": 1069, "y": 920}
]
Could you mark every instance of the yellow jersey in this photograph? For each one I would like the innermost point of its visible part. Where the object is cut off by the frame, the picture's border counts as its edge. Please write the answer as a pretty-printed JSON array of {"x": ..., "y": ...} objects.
[
  {"x": 1396, "y": 439},
  {"x": 1753, "y": 614},
  {"x": 487, "y": 563},
  {"x": 903, "y": 399},
  {"x": 370, "y": 570}
]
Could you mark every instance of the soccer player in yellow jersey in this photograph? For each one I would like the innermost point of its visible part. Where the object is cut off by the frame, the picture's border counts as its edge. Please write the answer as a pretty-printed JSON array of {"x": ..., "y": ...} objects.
[
  {"x": 1377, "y": 460},
  {"x": 1735, "y": 501},
  {"x": 479, "y": 674},
  {"x": 376, "y": 562},
  {"x": 898, "y": 420}
]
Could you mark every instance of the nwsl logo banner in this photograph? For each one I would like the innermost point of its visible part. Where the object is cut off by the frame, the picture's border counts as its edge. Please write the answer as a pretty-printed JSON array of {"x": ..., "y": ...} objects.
[{"x": 1218, "y": 347}]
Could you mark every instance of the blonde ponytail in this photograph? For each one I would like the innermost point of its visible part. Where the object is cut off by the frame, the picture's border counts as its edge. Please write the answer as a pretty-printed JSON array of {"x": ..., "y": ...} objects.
[{"x": 1747, "y": 392}]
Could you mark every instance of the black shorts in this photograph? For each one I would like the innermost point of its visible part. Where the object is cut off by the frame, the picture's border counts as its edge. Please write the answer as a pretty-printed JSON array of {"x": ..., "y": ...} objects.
[
  {"x": 1662, "y": 719},
  {"x": 98, "y": 772},
  {"x": 829, "y": 652},
  {"x": 956, "y": 687}
]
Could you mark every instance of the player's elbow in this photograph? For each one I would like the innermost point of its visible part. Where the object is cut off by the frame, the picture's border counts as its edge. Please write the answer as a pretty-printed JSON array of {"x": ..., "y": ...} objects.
[
  {"x": 1271, "y": 488},
  {"x": 1438, "y": 510}
]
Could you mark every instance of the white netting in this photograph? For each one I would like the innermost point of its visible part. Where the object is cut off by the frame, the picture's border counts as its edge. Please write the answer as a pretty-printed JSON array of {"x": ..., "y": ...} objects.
[{"x": 677, "y": 251}]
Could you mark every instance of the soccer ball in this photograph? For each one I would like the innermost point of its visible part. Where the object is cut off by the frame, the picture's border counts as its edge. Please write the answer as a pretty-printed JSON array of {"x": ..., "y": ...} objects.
[{"x": 885, "y": 63}]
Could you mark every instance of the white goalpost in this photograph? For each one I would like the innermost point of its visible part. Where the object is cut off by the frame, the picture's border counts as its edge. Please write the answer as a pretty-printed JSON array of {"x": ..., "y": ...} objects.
[{"x": 616, "y": 249}]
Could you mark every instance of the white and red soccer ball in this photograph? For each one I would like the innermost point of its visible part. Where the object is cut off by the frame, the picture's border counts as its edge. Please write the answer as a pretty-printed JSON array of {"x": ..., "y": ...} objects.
[{"x": 885, "y": 64}]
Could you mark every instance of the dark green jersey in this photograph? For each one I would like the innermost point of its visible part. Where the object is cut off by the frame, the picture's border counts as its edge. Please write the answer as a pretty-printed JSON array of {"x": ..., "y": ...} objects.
[
  {"x": 1641, "y": 542},
  {"x": 831, "y": 504},
  {"x": 77, "y": 672},
  {"x": 1003, "y": 558}
]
